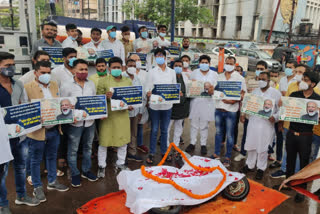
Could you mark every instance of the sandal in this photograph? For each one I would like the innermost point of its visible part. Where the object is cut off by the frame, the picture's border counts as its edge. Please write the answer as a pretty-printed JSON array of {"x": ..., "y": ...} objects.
[
  {"x": 60, "y": 173},
  {"x": 150, "y": 159}
]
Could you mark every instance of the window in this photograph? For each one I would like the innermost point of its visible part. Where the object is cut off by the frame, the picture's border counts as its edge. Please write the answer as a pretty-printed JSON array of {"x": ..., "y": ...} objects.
[
  {"x": 238, "y": 23},
  {"x": 203, "y": 2},
  {"x": 252, "y": 54},
  {"x": 223, "y": 23},
  {"x": 1, "y": 40},
  {"x": 243, "y": 52},
  {"x": 182, "y": 31},
  {"x": 201, "y": 32},
  {"x": 194, "y": 32}
]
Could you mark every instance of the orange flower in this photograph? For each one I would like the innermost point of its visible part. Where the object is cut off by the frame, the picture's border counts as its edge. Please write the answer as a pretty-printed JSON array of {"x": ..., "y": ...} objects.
[{"x": 178, "y": 187}]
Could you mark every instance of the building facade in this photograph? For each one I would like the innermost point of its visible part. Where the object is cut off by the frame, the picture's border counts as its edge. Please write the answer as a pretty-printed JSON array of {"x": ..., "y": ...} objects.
[
  {"x": 84, "y": 9},
  {"x": 313, "y": 13}
]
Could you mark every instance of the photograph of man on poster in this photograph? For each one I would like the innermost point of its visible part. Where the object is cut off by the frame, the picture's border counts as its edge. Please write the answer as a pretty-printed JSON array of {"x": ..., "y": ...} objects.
[
  {"x": 267, "y": 108},
  {"x": 312, "y": 112}
]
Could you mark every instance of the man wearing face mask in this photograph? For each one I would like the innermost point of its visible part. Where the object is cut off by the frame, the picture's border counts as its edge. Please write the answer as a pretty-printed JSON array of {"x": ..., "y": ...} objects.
[
  {"x": 95, "y": 42},
  {"x": 260, "y": 132},
  {"x": 71, "y": 40},
  {"x": 226, "y": 111},
  {"x": 112, "y": 43},
  {"x": 299, "y": 137},
  {"x": 101, "y": 71},
  {"x": 118, "y": 122},
  {"x": 65, "y": 72},
  {"x": 290, "y": 72},
  {"x": 274, "y": 77},
  {"x": 81, "y": 130},
  {"x": 202, "y": 109},
  {"x": 144, "y": 45},
  {"x": 163, "y": 42},
  {"x": 45, "y": 140},
  {"x": 127, "y": 44},
  {"x": 12, "y": 93},
  {"x": 186, "y": 65}
]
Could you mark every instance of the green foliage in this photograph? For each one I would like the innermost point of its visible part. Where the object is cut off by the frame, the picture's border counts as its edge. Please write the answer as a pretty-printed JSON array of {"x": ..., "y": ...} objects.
[
  {"x": 6, "y": 20},
  {"x": 159, "y": 11}
]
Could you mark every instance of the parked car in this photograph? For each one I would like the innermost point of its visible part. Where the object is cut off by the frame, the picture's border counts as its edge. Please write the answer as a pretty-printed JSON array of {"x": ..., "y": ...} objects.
[
  {"x": 227, "y": 51},
  {"x": 254, "y": 56}
]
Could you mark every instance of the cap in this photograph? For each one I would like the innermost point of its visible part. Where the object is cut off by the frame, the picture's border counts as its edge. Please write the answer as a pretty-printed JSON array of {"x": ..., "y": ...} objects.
[{"x": 110, "y": 27}]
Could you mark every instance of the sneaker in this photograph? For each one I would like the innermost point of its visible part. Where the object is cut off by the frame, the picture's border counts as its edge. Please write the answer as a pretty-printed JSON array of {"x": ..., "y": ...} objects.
[
  {"x": 60, "y": 173},
  {"x": 190, "y": 148},
  {"x": 143, "y": 149},
  {"x": 122, "y": 167},
  {"x": 5, "y": 210},
  {"x": 134, "y": 158},
  {"x": 259, "y": 174},
  {"x": 299, "y": 198},
  {"x": 32, "y": 202},
  {"x": 203, "y": 150},
  {"x": 215, "y": 157},
  {"x": 75, "y": 181},
  {"x": 239, "y": 157},
  {"x": 226, "y": 162},
  {"x": 57, "y": 186},
  {"x": 101, "y": 172},
  {"x": 274, "y": 165},
  {"x": 246, "y": 169},
  {"x": 278, "y": 174},
  {"x": 39, "y": 194},
  {"x": 29, "y": 180},
  {"x": 90, "y": 176}
]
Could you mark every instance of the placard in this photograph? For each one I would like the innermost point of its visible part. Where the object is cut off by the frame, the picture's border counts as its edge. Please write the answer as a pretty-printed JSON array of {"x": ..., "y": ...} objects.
[
  {"x": 91, "y": 107},
  {"x": 258, "y": 105},
  {"x": 228, "y": 90},
  {"x": 122, "y": 97},
  {"x": 197, "y": 89},
  {"x": 143, "y": 58},
  {"x": 55, "y": 54},
  {"x": 165, "y": 94},
  {"x": 22, "y": 119}
]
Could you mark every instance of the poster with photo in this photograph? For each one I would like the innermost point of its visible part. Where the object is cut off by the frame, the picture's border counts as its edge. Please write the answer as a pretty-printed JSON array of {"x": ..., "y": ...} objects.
[
  {"x": 258, "y": 105},
  {"x": 122, "y": 97},
  {"x": 197, "y": 89},
  {"x": 227, "y": 90},
  {"x": 90, "y": 107},
  {"x": 165, "y": 94}
]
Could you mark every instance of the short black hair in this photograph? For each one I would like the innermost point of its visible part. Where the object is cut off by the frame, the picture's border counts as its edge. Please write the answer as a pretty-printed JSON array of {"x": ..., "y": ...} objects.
[
  {"x": 262, "y": 63},
  {"x": 305, "y": 66},
  {"x": 101, "y": 60},
  {"x": 161, "y": 26},
  {"x": 125, "y": 29},
  {"x": 115, "y": 60},
  {"x": 79, "y": 32},
  {"x": 40, "y": 53},
  {"x": 160, "y": 50},
  {"x": 70, "y": 26},
  {"x": 5, "y": 55},
  {"x": 96, "y": 30},
  {"x": 313, "y": 76},
  {"x": 142, "y": 27},
  {"x": 266, "y": 73},
  {"x": 241, "y": 68},
  {"x": 67, "y": 51},
  {"x": 51, "y": 23},
  {"x": 184, "y": 56},
  {"x": 39, "y": 64},
  {"x": 79, "y": 61},
  {"x": 177, "y": 61},
  {"x": 185, "y": 38},
  {"x": 202, "y": 57},
  {"x": 295, "y": 64},
  {"x": 274, "y": 71},
  {"x": 233, "y": 58},
  {"x": 130, "y": 60}
]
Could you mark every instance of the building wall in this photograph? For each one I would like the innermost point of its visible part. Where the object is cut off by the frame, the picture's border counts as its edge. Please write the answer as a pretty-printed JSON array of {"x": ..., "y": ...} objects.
[
  {"x": 313, "y": 12},
  {"x": 79, "y": 9},
  {"x": 113, "y": 11}
]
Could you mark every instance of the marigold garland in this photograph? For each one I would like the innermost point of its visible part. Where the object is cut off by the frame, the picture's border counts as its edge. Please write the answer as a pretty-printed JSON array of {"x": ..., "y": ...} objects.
[{"x": 178, "y": 187}]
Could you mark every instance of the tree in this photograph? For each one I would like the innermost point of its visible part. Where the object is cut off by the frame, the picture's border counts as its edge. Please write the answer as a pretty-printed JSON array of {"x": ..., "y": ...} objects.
[
  {"x": 6, "y": 19},
  {"x": 159, "y": 11}
]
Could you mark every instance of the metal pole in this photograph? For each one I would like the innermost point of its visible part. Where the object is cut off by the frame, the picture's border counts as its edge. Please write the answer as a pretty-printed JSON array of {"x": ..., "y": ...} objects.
[
  {"x": 273, "y": 21},
  {"x": 12, "y": 15},
  {"x": 88, "y": 9},
  {"x": 317, "y": 50},
  {"x": 28, "y": 24},
  {"x": 172, "y": 20},
  {"x": 291, "y": 22}
]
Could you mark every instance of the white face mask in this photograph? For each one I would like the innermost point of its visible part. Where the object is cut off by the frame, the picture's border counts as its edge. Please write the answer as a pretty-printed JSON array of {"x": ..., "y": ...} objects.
[
  {"x": 132, "y": 70},
  {"x": 138, "y": 64},
  {"x": 303, "y": 86},
  {"x": 262, "y": 84},
  {"x": 127, "y": 37},
  {"x": 185, "y": 64},
  {"x": 228, "y": 68},
  {"x": 298, "y": 77}
]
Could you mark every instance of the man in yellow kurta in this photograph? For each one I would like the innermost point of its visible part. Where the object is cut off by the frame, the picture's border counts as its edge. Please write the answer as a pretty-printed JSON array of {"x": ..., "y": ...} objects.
[{"x": 114, "y": 130}]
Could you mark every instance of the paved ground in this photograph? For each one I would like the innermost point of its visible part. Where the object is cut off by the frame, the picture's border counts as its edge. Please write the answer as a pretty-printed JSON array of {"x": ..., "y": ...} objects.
[{"x": 68, "y": 202}]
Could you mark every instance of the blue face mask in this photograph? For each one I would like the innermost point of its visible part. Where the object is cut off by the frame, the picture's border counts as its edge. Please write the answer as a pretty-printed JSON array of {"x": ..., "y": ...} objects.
[
  {"x": 113, "y": 34},
  {"x": 288, "y": 72},
  {"x": 178, "y": 70},
  {"x": 144, "y": 34},
  {"x": 45, "y": 78},
  {"x": 258, "y": 73},
  {"x": 204, "y": 66},
  {"x": 72, "y": 38},
  {"x": 160, "y": 60},
  {"x": 116, "y": 72},
  {"x": 162, "y": 34},
  {"x": 70, "y": 63}
]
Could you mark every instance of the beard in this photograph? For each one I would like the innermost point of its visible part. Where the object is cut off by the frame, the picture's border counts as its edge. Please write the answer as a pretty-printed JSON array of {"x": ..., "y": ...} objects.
[{"x": 185, "y": 46}]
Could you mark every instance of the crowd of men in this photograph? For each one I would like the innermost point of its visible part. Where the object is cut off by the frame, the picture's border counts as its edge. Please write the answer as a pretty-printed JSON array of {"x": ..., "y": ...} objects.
[{"x": 123, "y": 130}]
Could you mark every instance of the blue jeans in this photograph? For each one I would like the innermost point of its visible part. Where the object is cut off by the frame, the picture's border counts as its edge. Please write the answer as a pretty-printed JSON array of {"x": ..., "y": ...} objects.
[
  {"x": 140, "y": 135},
  {"x": 161, "y": 117},
  {"x": 75, "y": 135},
  {"x": 37, "y": 149},
  {"x": 244, "y": 136},
  {"x": 224, "y": 121},
  {"x": 3, "y": 190},
  {"x": 315, "y": 147},
  {"x": 284, "y": 158},
  {"x": 278, "y": 140}
]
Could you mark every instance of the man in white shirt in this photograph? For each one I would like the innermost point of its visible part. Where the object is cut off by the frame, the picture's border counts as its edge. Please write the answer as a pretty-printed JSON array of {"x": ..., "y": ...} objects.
[
  {"x": 65, "y": 72},
  {"x": 290, "y": 72},
  {"x": 82, "y": 130},
  {"x": 95, "y": 42},
  {"x": 226, "y": 111},
  {"x": 37, "y": 57},
  {"x": 112, "y": 43},
  {"x": 163, "y": 42},
  {"x": 71, "y": 40},
  {"x": 202, "y": 109},
  {"x": 186, "y": 65}
]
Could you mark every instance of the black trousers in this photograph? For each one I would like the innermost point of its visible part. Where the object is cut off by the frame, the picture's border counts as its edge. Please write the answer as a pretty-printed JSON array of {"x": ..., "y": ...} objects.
[{"x": 297, "y": 145}]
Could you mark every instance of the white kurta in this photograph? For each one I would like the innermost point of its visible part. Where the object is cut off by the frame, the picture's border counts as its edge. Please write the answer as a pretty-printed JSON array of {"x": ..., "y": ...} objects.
[
  {"x": 117, "y": 48},
  {"x": 203, "y": 108},
  {"x": 260, "y": 132}
]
